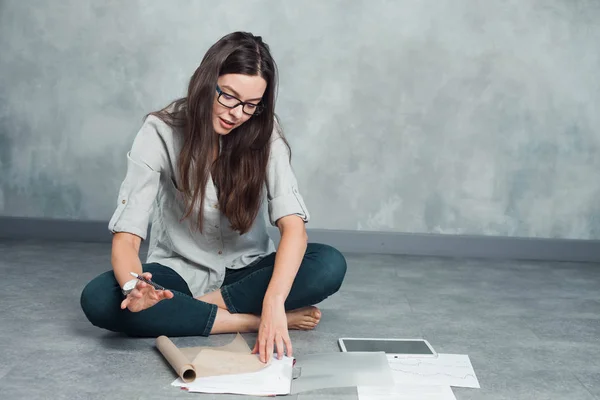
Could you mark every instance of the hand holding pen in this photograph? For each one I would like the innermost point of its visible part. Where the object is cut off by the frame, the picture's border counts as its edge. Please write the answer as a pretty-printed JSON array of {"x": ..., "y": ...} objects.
[
  {"x": 145, "y": 294},
  {"x": 147, "y": 280}
]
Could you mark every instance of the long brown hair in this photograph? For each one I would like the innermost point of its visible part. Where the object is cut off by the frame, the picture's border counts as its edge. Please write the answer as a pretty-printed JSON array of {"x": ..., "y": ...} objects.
[{"x": 239, "y": 172}]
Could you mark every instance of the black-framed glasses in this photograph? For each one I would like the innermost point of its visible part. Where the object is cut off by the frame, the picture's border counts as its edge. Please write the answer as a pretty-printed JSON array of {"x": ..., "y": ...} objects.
[{"x": 230, "y": 101}]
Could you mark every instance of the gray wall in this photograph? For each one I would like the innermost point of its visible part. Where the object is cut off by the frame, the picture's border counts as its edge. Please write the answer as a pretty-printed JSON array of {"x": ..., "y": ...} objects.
[{"x": 455, "y": 116}]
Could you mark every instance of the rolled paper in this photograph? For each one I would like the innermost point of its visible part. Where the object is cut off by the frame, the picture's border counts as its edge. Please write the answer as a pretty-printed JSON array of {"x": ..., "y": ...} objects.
[
  {"x": 211, "y": 362},
  {"x": 180, "y": 363},
  {"x": 238, "y": 345},
  {"x": 203, "y": 361}
]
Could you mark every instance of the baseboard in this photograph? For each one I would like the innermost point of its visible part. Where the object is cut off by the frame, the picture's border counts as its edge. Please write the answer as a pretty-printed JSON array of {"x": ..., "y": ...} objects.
[{"x": 18, "y": 228}]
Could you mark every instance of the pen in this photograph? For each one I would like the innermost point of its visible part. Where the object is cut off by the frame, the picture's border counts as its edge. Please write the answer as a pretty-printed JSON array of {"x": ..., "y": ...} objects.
[{"x": 141, "y": 278}]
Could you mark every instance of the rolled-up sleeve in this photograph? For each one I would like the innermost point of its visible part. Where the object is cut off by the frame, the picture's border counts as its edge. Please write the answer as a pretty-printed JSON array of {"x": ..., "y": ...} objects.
[
  {"x": 284, "y": 196},
  {"x": 137, "y": 193}
]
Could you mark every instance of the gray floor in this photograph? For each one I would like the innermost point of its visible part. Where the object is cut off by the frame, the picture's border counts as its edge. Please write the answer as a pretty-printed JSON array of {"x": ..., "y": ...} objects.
[{"x": 532, "y": 330}]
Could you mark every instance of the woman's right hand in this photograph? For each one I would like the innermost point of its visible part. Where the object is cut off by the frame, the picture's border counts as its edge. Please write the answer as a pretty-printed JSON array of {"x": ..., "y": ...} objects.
[{"x": 144, "y": 296}]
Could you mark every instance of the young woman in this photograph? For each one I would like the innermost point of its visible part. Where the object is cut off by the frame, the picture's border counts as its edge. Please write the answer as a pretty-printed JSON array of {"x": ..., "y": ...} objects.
[{"x": 211, "y": 168}]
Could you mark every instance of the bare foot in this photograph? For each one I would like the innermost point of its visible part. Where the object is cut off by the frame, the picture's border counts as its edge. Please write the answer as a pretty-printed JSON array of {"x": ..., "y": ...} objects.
[{"x": 305, "y": 318}]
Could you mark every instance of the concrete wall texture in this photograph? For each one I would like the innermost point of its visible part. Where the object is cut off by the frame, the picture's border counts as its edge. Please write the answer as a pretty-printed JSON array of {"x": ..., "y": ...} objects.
[{"x": 458, "y": 117}]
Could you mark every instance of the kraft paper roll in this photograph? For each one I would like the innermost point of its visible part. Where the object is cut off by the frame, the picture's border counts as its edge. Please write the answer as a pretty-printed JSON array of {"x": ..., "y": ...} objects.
[
  {"x": 195, "y": 362},
  {"x": 211, "y": 362},
  {"x": 238, "y": 345},
  {"x": 180, "y": 363}
]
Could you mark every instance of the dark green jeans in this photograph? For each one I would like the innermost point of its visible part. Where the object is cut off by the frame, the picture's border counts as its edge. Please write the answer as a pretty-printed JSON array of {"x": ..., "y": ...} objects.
[{"x": 320, "y": 275}]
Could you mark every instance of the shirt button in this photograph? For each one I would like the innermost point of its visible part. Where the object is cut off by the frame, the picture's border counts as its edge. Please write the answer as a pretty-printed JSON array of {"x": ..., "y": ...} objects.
[
  {"x": 123, "y": 201},
  {"x": 217, "y": 226},
  {"x": 220, "y": 252}
]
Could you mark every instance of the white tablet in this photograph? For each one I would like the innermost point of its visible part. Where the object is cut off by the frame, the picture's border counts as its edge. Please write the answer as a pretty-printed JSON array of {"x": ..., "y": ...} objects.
[{"x": 392, "y": 347}]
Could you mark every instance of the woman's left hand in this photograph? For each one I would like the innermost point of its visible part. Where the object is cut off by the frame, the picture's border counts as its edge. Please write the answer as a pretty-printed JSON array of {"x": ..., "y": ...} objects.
[{"x": 273, "y": 330}]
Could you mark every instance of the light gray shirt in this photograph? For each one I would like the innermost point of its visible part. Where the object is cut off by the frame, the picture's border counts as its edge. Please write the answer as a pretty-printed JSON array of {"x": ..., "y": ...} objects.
[{"x": 150, "y": 191}]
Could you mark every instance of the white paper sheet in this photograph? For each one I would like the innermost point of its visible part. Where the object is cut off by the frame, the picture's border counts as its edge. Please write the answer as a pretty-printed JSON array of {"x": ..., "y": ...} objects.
[
  {"x": 405, "y": 392},
  {"x": 274, "y": 379},
  {"x": 444, "y": 370}
]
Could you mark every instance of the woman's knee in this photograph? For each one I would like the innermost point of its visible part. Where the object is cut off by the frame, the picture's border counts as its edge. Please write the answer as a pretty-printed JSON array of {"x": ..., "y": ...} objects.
[
  {"x": 99, "y": 301},
  {"x": 332, "y": 267}
]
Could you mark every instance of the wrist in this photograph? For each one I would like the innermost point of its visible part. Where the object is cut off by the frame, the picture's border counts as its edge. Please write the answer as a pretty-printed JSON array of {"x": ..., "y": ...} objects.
[{"x": 128, "y": 286}]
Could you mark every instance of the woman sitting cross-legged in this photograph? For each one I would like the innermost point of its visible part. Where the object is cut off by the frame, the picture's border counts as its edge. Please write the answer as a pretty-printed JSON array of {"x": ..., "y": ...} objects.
[{"x": 210, "y": 169}]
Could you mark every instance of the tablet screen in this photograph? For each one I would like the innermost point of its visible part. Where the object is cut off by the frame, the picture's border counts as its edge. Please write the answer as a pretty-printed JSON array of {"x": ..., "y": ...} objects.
[{"x": 388, "y": 346}]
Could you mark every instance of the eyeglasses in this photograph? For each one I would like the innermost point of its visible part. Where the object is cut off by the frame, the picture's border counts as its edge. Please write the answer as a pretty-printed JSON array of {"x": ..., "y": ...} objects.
[{"x": 230, "y": 101}]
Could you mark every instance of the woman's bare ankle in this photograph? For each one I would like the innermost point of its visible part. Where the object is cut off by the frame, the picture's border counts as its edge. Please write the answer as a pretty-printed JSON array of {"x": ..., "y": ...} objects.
[{"x": 226, "y": 322}]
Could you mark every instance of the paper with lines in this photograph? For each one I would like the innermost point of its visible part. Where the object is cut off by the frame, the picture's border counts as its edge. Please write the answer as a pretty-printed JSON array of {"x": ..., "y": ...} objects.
[
  {"x": 274, "y": 379},
  {"x": 444, "y": 370}
]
